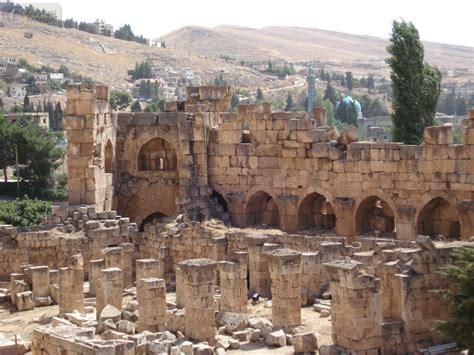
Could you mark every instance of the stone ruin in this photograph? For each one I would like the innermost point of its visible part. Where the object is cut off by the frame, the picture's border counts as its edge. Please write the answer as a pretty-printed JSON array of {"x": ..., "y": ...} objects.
[{"x": 359, "y": 233}]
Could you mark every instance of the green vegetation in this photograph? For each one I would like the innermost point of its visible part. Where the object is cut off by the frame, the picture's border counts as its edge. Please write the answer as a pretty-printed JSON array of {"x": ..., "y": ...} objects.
[
  {"x": 280, "y": 71},
  {"x": 260, "y": 97},
  {"x": 416, "y": 85},
  {"x": 220, "y": 81},
  {"x": 460, "y": 299},
  {"x": 372, "y": 107},
  {"x": 125, "y": 32},
  {"x": 136, "y": 107},
  {"x": 149, "y": 90},
  {"x": 346, "y": 113},
  {"x": 119, "y": 100},
  {"x": 451, "y": 104},
  {"x": 289, "y": 103},
  {"x": 142, "y": 71},
  {"x": 349, "y": 80},
  {"x": 35, "y": 152},
  {"x": 24, "y": 212}
]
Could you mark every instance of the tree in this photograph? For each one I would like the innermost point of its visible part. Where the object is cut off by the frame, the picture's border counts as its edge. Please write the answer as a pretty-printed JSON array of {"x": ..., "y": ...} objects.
[
  {"x": 330, "y": 93},
  {"x": 24, "y": 212},
  {"x": 163, "y": 43},
  {"x": 260, "y": 97},
  {"x": 136, "y": 107},
  {"x": 26, "y": 104},
  {"x": 234, "y": 101},
  {"x": 349, "y": 80},
  {"x": 289, "y": 102},
  {"x": 125, "y": 32},
  {"x": 220, "y": 81},
  {"x": 370, "y": 82},
  {"x": 363, "y": 82},
  {"x": 7, "y": 156},
  {"x": 460, "y": 298},
  {"x": 415, "y": 84},
  {"x": 346, "y": 112},
  {"x": 343, "y": 81},
  {"x": 461, "y": 106},
  {"x": 142, "y": 71},
  {"x": 119, "y": 100}
]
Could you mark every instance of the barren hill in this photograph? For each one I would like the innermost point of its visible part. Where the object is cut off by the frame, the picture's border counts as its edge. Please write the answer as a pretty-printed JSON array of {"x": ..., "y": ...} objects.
[
  {"x": 361, "y": 54},
  {"x": 106, "y": 59}
]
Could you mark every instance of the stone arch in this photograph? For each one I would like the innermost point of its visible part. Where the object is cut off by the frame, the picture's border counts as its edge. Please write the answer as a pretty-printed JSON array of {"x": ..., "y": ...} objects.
[
  {"x": 439, "y": 217},
  {"x": 150, "y": 218},
  {"x": 375, "y": 213},
  {"x": 220, "y": 200},
  {"x": 157, "y": 154},
  {"x": 262, "y": 208},
  {"x": 315, "y": 210},
  {"x": 108, "y": 157}
]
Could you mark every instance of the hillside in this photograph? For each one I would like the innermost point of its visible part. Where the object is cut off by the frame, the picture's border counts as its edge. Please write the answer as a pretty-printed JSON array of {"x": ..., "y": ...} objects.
[
  {"x": 340, "y": 51},
  {"x": 106, "y": 59}
]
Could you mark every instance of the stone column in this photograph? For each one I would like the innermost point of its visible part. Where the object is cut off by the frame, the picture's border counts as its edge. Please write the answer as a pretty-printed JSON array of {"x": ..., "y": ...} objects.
[
  {"x": 113, "y": 257},
  {"x": 179, "y": 287},
  {"x": 258, "y": 264},
  {"x": 128, "y": 250},
  {"x": 95, "y": 268},
  {"x": 71, "y": 290},
  {"x": 233, "y": 286},
  {"x": 356, "y": 309},
  {"x": 148, "y": 268},
  {"x": 285, "y": 271},
  {"x": 40, "y": 280},
  {"x": 151, "y": 296},
  {"x": 199, "y": 319},
  {"x": 109, "y": 290}
]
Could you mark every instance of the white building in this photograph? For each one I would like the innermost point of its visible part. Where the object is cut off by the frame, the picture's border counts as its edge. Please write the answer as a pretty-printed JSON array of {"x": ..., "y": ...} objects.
[
  {"x": 57, "y": 76},
  {"x": 17, "y": 89}
]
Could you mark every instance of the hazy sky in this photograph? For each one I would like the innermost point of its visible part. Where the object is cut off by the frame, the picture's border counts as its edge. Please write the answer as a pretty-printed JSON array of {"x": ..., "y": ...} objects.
[{"x": 437, "y": 21}]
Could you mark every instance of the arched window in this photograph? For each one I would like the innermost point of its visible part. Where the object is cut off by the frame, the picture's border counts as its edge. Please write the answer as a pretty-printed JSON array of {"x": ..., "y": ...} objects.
[
  {"x": 262, "y": 210},
  {"x": 157, "y": 154},
  {"x": 439, "y": 218},
  {"x": 374, "y": 215},
  {"x": 316, "y": 212}
]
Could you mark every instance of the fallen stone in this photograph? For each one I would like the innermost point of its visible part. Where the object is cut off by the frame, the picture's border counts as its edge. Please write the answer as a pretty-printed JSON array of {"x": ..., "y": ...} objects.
[
  {"x": 242, "y": 335},
  {"x": 232, "y": 321},
  {"x": 256, "y": 335},
  {"x": 306, "y": 342},
  {"x": 324, "y": 313},
  {"x": 126, "y": 327},
  {"x": 110, "y": 312},
  {"x": 276, "y": 338},
  {"x": 262, "y": 324},
  {"x": 234, "y": 344}
]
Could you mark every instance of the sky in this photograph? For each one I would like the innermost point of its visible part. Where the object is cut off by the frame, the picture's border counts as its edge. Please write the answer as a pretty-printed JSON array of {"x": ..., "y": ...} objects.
[{"x": 437, "y": 21}]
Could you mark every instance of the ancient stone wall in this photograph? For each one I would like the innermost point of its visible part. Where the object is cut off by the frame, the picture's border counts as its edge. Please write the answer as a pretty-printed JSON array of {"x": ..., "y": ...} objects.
[{"x": 274, "y": 168}]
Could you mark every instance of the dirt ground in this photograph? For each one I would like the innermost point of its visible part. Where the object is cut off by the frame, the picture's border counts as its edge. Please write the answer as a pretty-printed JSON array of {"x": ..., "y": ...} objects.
[{"x": 23, "y": 324}]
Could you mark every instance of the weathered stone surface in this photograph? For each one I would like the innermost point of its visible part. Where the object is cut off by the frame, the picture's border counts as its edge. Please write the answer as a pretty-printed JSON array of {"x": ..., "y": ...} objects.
[{"x": 306, "y": 342}]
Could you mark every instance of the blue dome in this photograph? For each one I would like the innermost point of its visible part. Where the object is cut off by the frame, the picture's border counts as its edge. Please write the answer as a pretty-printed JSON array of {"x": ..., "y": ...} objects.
[{"x": 348, "y": 100}]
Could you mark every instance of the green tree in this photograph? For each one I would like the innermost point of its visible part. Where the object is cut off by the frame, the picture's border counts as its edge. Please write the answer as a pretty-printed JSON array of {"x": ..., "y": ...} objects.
[
  {"x": 415, "y": 84},
  {"x": 7, "y": 156},
  {"x": 24, "y": 212},
  {"x": 349, "y": 80},
  {"x": 136, "y": 107},
  {"x": 461, "y": 106},
  {"x": 330, "y": 93},
  {"x": 234, "y": 101},
  {"x": 370, "y": 82},
  {"x": 27, "y": 107},
  {"x": 260, "y": 97},
  {"x": 343, "y": 81},
  {"x": 289, "y": 103},
  {"x": 119, "y": 100},
  {"x": 460, "y": 298},
  {"x": 346, "y": 112}
]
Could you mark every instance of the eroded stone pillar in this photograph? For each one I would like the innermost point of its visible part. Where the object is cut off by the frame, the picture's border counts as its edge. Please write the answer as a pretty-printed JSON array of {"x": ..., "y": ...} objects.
[
  {"x": 198, "y": 276},
  {"x": 285, "y": 271},
  {"x": 113, "y": 257},
  {"x": 151, "y": 296},
  {"x": 128, "y": 250},
  {"x": 233, "y": 286},
  {"x": 95, "y": 268},
  {"x": 40, "y": 280},
  {"x": 71, "y": 290},
  {"x": 109, "y": 290},
  {"x": 258, "y": 263},
  {"x": 356, "y": 309},
  {"x": 179, "y": 287},
  {"x": 148, "y": 268}
]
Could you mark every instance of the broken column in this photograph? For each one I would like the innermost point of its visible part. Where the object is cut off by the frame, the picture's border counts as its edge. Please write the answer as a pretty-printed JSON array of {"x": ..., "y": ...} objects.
[
  {"x": 285, "y": 271},
  {"x": 95, "y": 268},
  {"x": 198, "y": 279},
  {"x": 233, "y": 286},
  {"x": 148, "y": 268},
  {"x": 151, "y": 296},
  {"x": 356, "y": 309},
  {"x": 71, "y": 290},
  {"x": 258, "y": 263},
  {"x": 179, "y": 287},
  {"x": 109, "y": 290},
  {"x": 40, "y": 281},
  {"x": 128, "y": 249},
  {"x": 113, "y": 257}
]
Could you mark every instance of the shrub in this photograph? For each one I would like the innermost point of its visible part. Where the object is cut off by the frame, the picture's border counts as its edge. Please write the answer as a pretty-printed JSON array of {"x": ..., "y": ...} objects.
[
  {"x": 24, "y": 212},
  {"x": 460, "y": 298}
]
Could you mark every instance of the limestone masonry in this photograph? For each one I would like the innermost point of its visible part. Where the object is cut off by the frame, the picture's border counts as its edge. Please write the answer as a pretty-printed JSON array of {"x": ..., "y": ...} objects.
[{"x": 183, "y": 226}]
